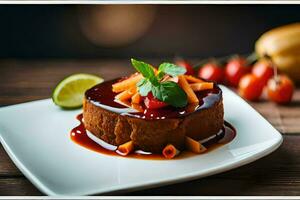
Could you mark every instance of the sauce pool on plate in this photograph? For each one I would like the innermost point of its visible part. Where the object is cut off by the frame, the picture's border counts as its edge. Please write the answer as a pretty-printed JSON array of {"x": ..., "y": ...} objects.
[{"x": 79, "y": 136}]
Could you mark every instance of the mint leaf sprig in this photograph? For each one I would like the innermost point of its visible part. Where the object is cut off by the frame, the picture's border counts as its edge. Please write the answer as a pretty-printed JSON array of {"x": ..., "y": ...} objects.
[{"x": 166, "y": 91}]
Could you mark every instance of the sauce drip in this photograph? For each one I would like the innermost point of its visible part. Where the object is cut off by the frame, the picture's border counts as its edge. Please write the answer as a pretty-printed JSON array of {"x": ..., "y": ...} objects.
[
  {"x": 102, "y": 95},
  {"x": 79, "y": 136}
]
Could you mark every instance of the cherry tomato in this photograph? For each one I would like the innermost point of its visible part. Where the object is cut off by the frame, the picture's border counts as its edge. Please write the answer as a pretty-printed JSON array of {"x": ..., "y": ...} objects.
[
  {"x": 212, "y": 72},
  {"x": 250, "y": 87},
  {"x": 235, "y": 69},
  {"x": 280, "y": 89},
  {"x": 152, "y": 103},
  {"x": 263, "y": 69},
  {"x": 187, "y": 66}
]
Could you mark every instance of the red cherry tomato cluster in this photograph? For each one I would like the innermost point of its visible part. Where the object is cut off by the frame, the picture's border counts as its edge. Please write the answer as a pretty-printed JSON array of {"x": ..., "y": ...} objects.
[
  {"x": 279, "y": 88},
  {"x": 249, "y": 80}
]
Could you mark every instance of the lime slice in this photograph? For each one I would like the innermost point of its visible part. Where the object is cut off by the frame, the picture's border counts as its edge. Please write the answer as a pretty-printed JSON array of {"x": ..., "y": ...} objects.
[{"x": 69, "y": 92}]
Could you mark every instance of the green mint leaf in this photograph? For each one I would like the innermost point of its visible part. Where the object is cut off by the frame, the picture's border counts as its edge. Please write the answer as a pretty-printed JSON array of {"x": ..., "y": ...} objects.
[
  {"x": 144, "y": 68},
  {"x": 170, "y": 93},
  {"x": 171, "y": 69},
  {"x": 160, "y": 75},
  {"x": 156, "y": 92},
  {"x": 141, "y": 82},
  {"x": 145, "y": 87}
]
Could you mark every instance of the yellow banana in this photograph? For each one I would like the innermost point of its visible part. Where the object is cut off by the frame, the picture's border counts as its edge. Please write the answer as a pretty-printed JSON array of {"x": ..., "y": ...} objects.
[
  {"x": 289, "y": 65},
  {"x": 282, "y": 45},
  {"x": 283, "y": 40}
]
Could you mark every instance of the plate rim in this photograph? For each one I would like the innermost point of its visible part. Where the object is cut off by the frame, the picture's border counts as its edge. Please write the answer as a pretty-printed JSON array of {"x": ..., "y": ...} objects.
[
  {"x": 192, "y": 176},
  {"x": 274, "y": 144}
]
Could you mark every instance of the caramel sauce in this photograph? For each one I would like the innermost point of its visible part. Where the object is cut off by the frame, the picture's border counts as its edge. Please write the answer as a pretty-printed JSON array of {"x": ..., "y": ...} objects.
[
  {"x": 102, "y": 95},
  {"x": 79, "y": 136}
]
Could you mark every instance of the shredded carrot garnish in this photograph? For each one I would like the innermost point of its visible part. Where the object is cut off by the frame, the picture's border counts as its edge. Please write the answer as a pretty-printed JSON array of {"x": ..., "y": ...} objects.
[
  {"x": 136, "y": 98},
  {"x": 170, "y": 151},
  {"x": 202, "y": 86},
  {"x": 127, "y": 94},
  {"x": 126, "y": 148},
  {"x": 194, "y": 145},
  {"x": 193, "y": 79},
  {"x": 127, "y": 83},
  {"x": 192, "y": 98}
]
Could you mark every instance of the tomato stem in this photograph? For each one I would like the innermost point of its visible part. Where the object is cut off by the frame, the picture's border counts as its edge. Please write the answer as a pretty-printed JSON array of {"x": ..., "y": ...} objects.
[
  {"x": 252, "y": 58},
  {"x": 275, "y": 69},
  {"x": 276, "y": 78}
]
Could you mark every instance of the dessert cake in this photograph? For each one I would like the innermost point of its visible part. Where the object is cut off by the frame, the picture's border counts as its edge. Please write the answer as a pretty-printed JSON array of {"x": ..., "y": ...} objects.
[{"x": 121, "y": 113}]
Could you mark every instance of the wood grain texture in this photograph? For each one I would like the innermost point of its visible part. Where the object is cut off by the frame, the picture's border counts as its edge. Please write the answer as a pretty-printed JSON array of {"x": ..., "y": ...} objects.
[
  {"x": 285, "y": 118},
  {"x": 276, "y": 174}
]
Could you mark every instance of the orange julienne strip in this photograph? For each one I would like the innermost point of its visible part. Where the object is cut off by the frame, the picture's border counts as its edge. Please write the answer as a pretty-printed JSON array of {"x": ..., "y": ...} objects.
[
  {"x": 136, "y": 98},
  {"x": 170, "y": 151},
  {"x": 194, "y": 145},
  {"x": 192, "y": 98},
  {"x": 190, "y": 78},
  {"x": 127, "y": 94},
  {"x": 127, "y": 83},
  {"x": 126, "y": 148},
  {"x": 202, "y": 86}
]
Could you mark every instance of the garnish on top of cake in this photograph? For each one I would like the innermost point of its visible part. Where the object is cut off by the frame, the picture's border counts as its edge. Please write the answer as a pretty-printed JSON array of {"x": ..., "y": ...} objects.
[{"x": 157, "y": 88}]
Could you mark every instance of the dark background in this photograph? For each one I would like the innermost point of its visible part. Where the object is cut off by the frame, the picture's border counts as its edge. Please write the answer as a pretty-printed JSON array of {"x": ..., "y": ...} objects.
[{"x": 53, "y": 31}]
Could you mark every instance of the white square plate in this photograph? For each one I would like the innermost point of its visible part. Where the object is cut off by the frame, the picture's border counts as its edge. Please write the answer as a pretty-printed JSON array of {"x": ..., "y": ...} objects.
[{"x": 36, "y": 137}]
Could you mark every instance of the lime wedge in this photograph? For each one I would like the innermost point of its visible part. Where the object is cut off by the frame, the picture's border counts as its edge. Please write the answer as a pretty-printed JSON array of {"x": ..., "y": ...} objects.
[{"x": 70, "y": 91}]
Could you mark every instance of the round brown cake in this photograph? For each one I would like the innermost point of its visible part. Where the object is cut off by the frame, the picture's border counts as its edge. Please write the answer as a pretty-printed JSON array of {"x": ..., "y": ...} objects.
[{"x": 151, "y": 130}]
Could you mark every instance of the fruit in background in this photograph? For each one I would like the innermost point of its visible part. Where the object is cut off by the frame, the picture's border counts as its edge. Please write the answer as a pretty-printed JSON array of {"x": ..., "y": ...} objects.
[
  {"x": 280, "y": 89},
  {"x": 289, "y": 64},
  {"x": 235, "y": 69},
  {"x": 279, "y": 41},
  {"x": 250, "y": 87},
  {"x": 186, "y": 65},
  {"x": 263, "y": 70},
  {"x": 212, "y": 72},
  {"x": 282, "y": 46}
]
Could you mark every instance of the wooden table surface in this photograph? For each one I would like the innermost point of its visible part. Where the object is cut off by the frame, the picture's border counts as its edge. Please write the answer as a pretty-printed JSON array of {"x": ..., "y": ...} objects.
[{"x": 275, "y": 174}]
